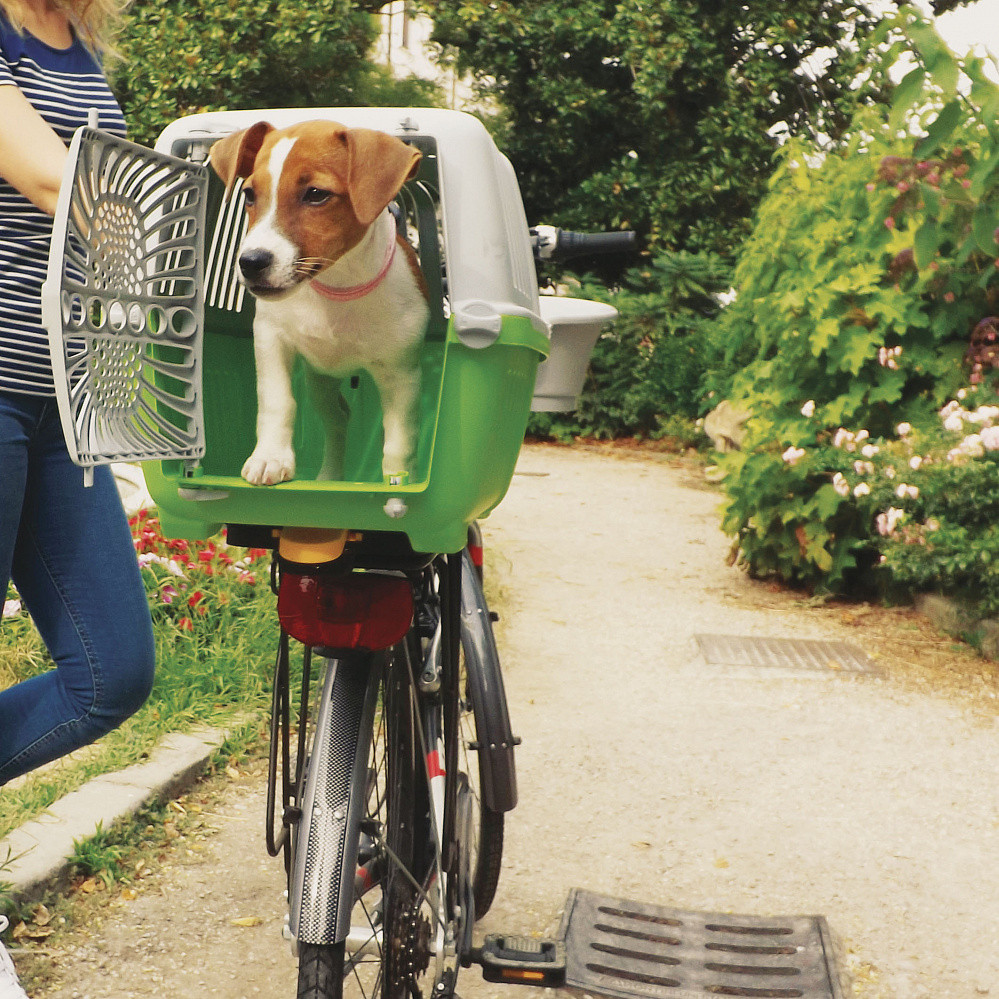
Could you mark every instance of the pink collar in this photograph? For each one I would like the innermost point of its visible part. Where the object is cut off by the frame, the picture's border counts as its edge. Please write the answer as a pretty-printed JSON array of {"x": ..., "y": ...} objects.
[{"x": 358, "y": 290}]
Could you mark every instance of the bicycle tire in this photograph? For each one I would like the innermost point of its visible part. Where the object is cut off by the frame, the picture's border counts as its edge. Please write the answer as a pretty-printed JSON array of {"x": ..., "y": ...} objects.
[
  {"x": 483, "y": 724},
  {"x": 487, "y": 846},
  {"x": 320, "y": 971}
]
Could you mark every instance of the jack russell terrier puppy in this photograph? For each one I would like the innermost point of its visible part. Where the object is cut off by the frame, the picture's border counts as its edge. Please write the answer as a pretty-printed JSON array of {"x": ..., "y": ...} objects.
[{"x": 333, "y": 282}]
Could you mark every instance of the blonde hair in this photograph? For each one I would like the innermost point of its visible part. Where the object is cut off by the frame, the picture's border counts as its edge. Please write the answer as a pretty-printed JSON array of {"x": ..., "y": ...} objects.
[{"x": 96, "y": 21}]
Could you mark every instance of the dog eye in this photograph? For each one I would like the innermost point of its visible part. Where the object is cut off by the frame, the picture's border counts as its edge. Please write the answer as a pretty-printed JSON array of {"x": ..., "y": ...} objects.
[
  {"x": 249, "y": 198},
  {"x": 316, "y": 196}
]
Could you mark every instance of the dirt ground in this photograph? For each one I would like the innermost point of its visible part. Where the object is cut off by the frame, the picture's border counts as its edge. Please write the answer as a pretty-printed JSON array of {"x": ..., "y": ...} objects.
[{"x": 644, "y": 771}]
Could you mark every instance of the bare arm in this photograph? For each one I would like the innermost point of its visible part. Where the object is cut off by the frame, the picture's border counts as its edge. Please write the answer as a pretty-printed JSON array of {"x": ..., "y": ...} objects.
[{"x": 32, "y": 156}]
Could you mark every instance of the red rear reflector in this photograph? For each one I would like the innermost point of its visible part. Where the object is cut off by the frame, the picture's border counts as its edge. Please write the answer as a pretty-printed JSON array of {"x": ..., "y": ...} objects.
[
  {"x": 476, "y": 551},
  {"x": 355, "y": 611}
]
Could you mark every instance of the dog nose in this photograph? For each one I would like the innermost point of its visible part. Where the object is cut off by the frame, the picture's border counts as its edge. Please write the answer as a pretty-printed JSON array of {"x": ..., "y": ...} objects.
[{"x": 253, "y": 263}]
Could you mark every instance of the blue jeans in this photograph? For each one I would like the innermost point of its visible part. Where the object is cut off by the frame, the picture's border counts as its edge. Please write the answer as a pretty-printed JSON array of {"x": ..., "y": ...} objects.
[{"x": 70, "y": 553}]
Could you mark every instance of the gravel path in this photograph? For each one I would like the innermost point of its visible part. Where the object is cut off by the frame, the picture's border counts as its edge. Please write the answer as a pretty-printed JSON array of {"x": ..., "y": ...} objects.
[{"x": 647, "y": 773}]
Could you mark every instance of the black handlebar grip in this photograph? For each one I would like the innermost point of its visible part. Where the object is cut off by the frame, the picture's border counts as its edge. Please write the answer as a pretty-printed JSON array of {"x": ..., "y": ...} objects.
[{"x": 578, "y": 244}]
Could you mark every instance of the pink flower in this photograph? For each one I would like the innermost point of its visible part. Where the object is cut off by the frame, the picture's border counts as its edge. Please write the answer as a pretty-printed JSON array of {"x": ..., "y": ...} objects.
[
  {"x": 888, "y": 520},
  {"x": 990, "y": 438}
]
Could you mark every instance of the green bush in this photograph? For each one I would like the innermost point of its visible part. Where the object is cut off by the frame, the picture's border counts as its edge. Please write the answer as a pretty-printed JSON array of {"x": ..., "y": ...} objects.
[
  {"x": 933, "y": 497},
  {"x": 870, "y": 267},
  {"x": 646, "y": 371},
  {"x": 185, "y": 56}
]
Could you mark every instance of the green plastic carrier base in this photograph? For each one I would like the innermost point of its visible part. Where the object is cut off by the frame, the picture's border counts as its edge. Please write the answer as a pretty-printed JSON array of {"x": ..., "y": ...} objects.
[{"x": 472, "y": 426}]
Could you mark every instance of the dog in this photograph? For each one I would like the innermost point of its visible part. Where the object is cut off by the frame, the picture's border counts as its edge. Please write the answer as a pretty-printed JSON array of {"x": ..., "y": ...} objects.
[{"x": 333, "y": 280}]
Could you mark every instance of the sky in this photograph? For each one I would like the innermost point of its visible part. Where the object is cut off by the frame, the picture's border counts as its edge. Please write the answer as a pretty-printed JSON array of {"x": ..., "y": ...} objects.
[{"x": 973, "y": 27}]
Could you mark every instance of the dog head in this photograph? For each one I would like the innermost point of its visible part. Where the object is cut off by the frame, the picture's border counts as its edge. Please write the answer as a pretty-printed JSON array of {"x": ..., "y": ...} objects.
[{"x": 312, "y": 191}]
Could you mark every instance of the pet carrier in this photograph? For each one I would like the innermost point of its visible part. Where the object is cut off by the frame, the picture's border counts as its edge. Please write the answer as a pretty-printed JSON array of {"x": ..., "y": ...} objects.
[
  {"x": 483, "y": 343},
  {"x": 189, "y": 371}
]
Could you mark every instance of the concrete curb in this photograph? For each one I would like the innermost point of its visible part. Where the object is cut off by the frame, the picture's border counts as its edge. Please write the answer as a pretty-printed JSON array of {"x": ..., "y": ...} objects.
[{"x": 40, "y": 849}]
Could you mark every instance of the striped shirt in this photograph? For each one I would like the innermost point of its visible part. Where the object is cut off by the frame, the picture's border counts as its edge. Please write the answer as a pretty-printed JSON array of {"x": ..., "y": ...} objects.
[{"x": 62, "y": 85}]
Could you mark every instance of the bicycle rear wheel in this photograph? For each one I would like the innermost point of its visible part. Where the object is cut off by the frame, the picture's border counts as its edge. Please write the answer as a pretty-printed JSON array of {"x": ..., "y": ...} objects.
[
  {"x": 390, "y": 950},
  {"x": 486, "y": 846}
]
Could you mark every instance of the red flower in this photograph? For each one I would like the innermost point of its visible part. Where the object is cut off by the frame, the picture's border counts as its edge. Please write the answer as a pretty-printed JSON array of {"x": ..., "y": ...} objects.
[
  {"x": 195, "y": 598},
  {"x": 185, "y": 624}
]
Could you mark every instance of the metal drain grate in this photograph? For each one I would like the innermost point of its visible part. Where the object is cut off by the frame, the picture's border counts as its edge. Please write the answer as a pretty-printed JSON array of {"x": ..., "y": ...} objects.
[
  {"x": 786, "y": 653},
  {"x": 627, "y": 949}
]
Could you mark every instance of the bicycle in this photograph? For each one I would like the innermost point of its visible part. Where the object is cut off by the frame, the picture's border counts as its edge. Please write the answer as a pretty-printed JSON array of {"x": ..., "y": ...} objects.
[
  {"x": 392, "y": 833},
  {"x": 412, "y": 749},
  {"x": 389, "y": 814}
]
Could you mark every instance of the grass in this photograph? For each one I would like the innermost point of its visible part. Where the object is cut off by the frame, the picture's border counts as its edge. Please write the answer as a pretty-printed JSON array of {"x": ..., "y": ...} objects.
[{"x": 215, "y": 621}]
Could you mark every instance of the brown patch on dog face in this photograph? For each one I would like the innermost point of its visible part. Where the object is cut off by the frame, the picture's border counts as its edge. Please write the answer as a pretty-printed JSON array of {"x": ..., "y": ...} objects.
[
  {"x": 309, "y": 199},
  {"x": 314, "y": 203}
]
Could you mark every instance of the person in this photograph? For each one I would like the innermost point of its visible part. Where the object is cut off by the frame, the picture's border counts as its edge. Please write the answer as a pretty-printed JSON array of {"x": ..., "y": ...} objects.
[{"x": 67, "y": 547}]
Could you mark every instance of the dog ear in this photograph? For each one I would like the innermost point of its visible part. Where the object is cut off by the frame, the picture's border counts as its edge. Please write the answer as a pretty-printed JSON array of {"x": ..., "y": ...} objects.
[
  {"x": 378, "y": 165},
  {"x": 234, "y": 155}
]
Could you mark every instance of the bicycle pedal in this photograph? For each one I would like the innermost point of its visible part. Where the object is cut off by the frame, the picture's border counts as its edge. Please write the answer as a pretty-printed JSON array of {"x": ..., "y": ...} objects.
[{"x": 521, "y": 960}]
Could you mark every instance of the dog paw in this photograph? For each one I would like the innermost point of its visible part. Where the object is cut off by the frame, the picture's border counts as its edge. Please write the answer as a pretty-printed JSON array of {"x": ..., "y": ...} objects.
[{"x": 266, "y": 468}]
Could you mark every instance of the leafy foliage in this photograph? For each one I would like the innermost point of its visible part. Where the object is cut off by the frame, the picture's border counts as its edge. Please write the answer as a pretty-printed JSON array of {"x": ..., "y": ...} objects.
[
  {"x": 184, "y": 56},
  {"x": 870, "y": 267},
  {"x": 659, "y": 117},
  {"x": 646, "y": 371}
]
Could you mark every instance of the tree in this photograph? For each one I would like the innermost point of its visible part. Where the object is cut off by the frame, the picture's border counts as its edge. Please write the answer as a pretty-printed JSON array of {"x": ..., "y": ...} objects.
[
  {"x": 660, "y": 116},
  {"x": 184, "y": 56}
]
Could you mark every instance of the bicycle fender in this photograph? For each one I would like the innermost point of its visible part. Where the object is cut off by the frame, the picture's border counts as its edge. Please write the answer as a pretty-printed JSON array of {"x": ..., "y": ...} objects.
[
  {"x": 321, "y": 888},
  {"x": 492, "y": 718}
]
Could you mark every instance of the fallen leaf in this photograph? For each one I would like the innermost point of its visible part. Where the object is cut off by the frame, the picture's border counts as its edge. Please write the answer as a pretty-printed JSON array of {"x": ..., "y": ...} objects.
[
  {"x": 129, "y": 894},
  {"x": 247, "y": 921},
  {"x": 41, "y": 916},
  {"x": 721, "y": 862},
  {"x": 25, "y": 931},
  {"x": 89, "y": 886}
]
